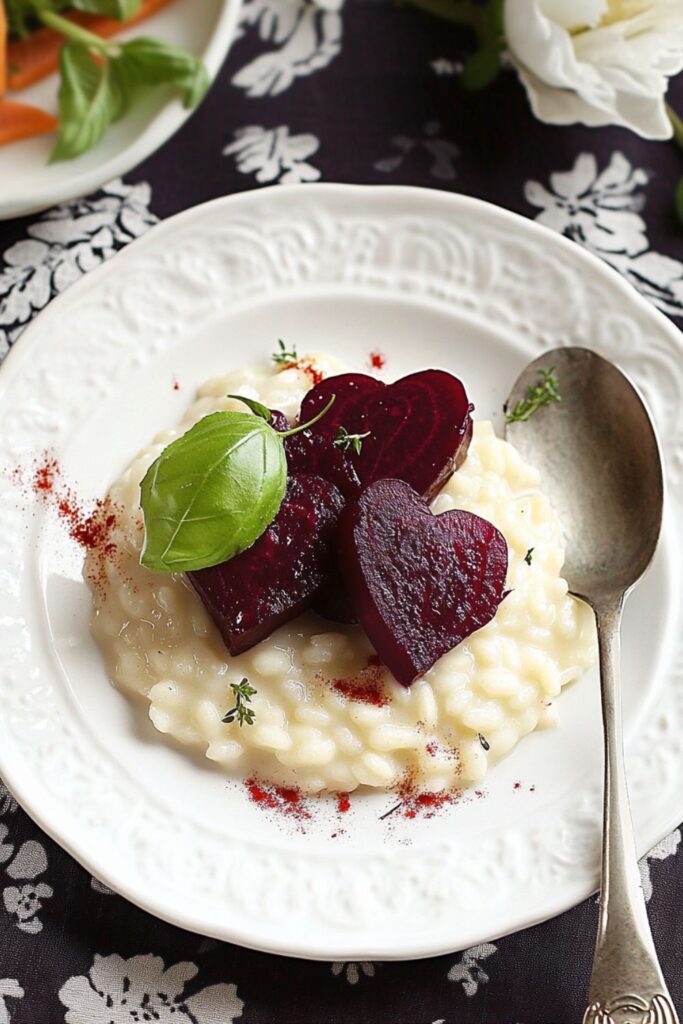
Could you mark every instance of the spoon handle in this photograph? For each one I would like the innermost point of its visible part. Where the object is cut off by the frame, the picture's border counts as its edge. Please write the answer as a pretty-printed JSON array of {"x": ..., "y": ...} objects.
[{"x": 627, "y": 982}]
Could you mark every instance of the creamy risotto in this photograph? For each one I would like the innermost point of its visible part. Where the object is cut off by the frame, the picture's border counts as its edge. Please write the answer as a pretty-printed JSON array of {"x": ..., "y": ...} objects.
[{"x": 446, "y": 729}]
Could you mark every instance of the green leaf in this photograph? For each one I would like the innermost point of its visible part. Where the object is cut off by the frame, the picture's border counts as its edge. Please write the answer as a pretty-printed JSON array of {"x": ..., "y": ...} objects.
[
  {"x": 121, "y": 9},
  {"x": 212, "y": 492},
  {"x": 91, "y": 96},
  {"x": 678, "y": 199},
  {"x": 482, "y": 67},
  {"x": 256, "y": 407},
  {"x": 147, "y": 61}
]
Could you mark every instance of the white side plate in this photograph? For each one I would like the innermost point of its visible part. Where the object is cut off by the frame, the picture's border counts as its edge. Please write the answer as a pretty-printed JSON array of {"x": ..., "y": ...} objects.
[
  {"x": 430, "y": 279},
  {"x": 29, "y": 183}
]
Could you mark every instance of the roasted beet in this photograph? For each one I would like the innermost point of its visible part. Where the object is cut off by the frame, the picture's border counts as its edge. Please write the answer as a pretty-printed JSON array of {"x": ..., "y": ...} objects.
[
  {"x": 279, "y": 421},
  {"x": 420, "y": 426},
  {"x": 309, "y": 452},
  {"x": 421, "y": 583},
  {"x": 276, "y": 578}
]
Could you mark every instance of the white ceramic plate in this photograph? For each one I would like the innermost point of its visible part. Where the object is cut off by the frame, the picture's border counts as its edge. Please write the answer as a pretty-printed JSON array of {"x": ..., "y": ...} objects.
[
  {"x": 430, "y": 279},
  {"x": 29, "y": 183}
]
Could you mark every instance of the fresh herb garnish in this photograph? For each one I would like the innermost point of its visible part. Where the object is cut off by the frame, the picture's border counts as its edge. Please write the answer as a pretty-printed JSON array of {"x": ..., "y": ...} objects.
[
  {"x": 213, "y": 491},
  {"x": 348, "y": 442},
  {"x": 240, "y": 713},
  {"x": 527, "y": 557},
  {"x": 284, "y": 356},
  {"x": 101, "y": 78},
  {"x": 484, "y": 742},
  {"x": 257, "y": 408},
  {"x": 537, "y": 395}
]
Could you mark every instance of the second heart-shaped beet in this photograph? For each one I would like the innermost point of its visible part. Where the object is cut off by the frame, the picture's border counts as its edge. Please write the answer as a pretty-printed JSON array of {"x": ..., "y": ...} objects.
[
  {"x": 422, "y": 583},
  {"x": 419, "y": 427},
  {"x": 277, "y": 578}
]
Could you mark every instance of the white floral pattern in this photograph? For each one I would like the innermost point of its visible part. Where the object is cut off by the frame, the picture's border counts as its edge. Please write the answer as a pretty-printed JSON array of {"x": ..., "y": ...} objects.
[
  {"x": 9, "y": 989},
  {"x": 353, "y": 970},
  {"x": 272, "y": 154},
  {"x": 8, "y": 804},
  {"x": 65, "y": 243},
  {"x": 304, "y": 37},
  {"x": 442, "y": 153},
  {"x": 118, "y": 991},
  {"x": 24, "y": 864},
  {"x": 468, "y": 970},
  {"x": 601, "y": 211}
]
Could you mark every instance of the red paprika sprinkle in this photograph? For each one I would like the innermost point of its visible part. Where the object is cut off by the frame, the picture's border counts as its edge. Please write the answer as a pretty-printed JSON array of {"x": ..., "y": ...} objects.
[
  {"x": 285, "y": 799},
  {"x": 367, "y": 687},
  {"x": 377, "y": 360},
  {"x": 343, "y": 803}
]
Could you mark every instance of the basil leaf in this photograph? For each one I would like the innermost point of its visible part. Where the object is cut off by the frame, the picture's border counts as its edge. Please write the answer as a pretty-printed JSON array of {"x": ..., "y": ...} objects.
[
  {"x": 146, "y": 61},
  {"x": 212, "y": 492},
  {"x": 258, "y": 408},
  {"x": 121, "y": 9},
  {"x": 91, "y": 96}
]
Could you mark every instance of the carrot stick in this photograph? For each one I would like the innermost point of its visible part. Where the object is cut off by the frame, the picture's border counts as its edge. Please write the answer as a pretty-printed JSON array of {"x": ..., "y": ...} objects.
[
  {"x": 3, "y": 49},
  {"x": 20, "y": 121},
  {"x": 37, "y": 56}
]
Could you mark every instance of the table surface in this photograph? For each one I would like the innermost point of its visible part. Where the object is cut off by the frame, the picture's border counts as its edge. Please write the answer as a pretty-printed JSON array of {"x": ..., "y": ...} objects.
[{"x": 371, "y": 94}]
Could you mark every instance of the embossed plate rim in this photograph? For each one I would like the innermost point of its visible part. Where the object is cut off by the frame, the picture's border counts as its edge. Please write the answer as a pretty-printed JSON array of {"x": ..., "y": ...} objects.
[{"x": 329, "y": 204}]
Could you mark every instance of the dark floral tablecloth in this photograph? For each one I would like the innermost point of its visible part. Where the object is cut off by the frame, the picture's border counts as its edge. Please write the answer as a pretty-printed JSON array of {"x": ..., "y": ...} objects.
[{"x": 366, "y": 93}]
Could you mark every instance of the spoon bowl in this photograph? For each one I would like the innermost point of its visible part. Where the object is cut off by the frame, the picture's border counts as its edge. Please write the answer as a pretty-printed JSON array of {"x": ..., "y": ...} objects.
[{"x": 598, "y": 452}]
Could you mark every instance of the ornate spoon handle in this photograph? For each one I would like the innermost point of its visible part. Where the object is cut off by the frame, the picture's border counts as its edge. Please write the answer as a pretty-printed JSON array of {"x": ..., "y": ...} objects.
[{"x": 627, "y": 986}]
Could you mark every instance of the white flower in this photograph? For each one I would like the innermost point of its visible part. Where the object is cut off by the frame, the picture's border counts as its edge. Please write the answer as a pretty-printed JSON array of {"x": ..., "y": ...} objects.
[
  {"x": 9, "y": 989},
  {"x": 597, "y": 61},
  {"x": 118, "y": 991},
  {"x": 24, "y": 903},
  {"x": 65, "y": 243},
  {"x": 442, "y": 152},
  {"x": 601, "y": 211},
  {"x": 24, "y": 864},
  {"x": 353, "y": 970},
  {"x": 273, "y": 154},
  {"x": 305, "y": 37},
  {"x": 468, "y": 971}
]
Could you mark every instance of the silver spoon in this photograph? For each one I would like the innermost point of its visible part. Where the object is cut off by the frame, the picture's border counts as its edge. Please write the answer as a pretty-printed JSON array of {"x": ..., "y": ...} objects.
[{"x": 598, "y": 453}]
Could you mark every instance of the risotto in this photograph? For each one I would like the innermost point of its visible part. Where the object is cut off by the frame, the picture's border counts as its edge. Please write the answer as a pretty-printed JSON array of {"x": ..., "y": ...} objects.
[{"x": 328, "y": 716}]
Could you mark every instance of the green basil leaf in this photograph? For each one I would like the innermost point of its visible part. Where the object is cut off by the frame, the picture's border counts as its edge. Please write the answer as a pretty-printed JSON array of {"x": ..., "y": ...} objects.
[
  {"x": 146, "y": 61},
  {"x": 120, "y": 9},
  {"x": 91, "y": 96},
  {"x": 212, "y": 492},
  {"x": 258, "y": 408}
]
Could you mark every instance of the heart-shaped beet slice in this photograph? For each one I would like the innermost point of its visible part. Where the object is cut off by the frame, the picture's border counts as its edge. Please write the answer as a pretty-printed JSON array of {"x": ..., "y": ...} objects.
[
  {"x": 309, "y": 452},
  {"x": 275, "y": 579},
  {"x": 422, "y": 583},
  {"x": 420, "y": 426}
]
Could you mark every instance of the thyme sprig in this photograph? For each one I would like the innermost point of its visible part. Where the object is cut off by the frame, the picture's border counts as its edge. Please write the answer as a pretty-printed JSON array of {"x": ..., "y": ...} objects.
[
  {"x": 349, "y": 442},
  {"x": 537, "y": 395},
  {"x": 284, "y": 356},
  {"x": 240, "y": 713}
]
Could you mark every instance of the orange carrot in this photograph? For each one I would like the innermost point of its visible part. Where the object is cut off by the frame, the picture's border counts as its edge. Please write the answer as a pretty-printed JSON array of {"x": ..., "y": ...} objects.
[
  {"x": 37, "y": 56},
  {"x": 3, "y": 49},
  {"x": 20, "y": 121}
]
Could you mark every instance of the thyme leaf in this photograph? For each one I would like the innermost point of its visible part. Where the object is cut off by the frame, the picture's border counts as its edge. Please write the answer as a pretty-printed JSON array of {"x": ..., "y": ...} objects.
[
  {"x": 283, "y": 357},
  {"x": 240, "y": 713},
  {"x": 537, "y": 395},
  {"x": 349, "y": 442}
]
